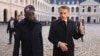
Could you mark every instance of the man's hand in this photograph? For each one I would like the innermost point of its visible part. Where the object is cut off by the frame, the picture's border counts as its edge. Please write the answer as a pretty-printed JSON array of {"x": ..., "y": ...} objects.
[
  {"x": 63, "y": 46},
  {"x": 14, "y": 33},
  {"x": 82, "y": 29}
]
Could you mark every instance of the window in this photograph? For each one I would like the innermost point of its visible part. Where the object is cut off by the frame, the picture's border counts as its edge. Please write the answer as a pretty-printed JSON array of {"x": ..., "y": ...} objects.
[
  {"x": 33, "y": 1},
  {"x": 26, "y": 1},
  {"x": 83, "y": 10},
  {"x": 72, "y": 18},
  {"x": 94, "y": 10},
  {"x": 16, "y": 1},
  {"x": 52, "y": 9},
  {"x": 95, "y": 6},
  {"x": 77, "y": 9},
  {"x": 21, "y": 1},
  {"x": 89, "y": 9},
  {"x": 72, "y": 9},
  {"x": 83, "y": 7}
]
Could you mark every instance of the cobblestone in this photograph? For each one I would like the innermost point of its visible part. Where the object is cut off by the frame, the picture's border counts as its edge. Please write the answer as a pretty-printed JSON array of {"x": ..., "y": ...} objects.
[{"x": 90, "y": 46}]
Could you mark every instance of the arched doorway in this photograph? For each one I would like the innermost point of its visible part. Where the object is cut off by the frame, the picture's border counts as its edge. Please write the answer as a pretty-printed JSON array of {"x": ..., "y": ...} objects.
[
  {"x": 88, "y": 19},
  {"x": 5, "y": 15},
  {"x": 94, "y": 21},
  {"x": 16, "y": 14},
  {"x": 77, "y": 19},
  {"x": 53, "y": 18}
]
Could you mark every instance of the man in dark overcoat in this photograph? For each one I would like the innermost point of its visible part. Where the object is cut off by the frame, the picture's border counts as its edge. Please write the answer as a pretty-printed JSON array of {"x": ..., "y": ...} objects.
[
  {"x": 62, "y": 32},
  {"x": 28, "y": 32},
  {"x": 10, "y": 29}
]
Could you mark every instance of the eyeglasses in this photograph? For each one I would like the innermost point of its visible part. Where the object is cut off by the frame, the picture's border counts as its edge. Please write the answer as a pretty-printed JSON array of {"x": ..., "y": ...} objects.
[{"x": 30, "y": 13}]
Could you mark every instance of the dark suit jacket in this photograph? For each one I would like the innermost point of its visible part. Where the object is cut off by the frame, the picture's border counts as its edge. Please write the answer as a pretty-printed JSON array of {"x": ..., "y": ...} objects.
[
  {"x": 30, "y": 35},
  {"x": 60, "y": 32}
]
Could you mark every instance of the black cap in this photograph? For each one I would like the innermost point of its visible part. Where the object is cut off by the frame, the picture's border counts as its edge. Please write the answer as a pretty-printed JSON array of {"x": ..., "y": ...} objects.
[{"x": 29, "y": 7}]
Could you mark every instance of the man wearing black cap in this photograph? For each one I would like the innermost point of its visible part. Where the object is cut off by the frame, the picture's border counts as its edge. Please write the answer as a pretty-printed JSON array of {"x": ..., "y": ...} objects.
[{"x": 28, "y": 31}]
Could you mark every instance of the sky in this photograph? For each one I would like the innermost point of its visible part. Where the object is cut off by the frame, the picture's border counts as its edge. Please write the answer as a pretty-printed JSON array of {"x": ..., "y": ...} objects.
[{"x": 52, "y": 1}]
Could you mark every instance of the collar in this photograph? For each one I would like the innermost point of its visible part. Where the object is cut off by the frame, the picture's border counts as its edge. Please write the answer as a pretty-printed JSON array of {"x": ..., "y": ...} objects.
[{"x": 61, "y": 21}]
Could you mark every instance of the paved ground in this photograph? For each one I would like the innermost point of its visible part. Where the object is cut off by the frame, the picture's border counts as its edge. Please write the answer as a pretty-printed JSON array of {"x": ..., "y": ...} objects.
[{"x": 90, "y": 46}]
